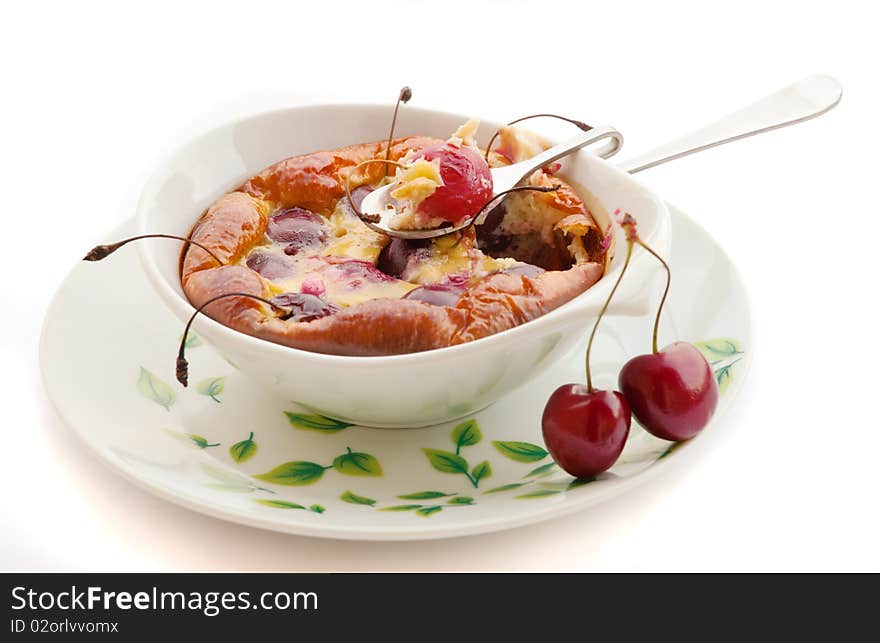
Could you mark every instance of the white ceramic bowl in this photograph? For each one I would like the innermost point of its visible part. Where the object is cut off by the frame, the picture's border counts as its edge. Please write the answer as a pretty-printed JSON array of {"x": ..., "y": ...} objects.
[{"x": 398, "y": 391}]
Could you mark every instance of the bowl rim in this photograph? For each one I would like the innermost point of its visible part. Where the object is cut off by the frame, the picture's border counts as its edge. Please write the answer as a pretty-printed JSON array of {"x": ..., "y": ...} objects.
[{"x": 182, "y": 306}]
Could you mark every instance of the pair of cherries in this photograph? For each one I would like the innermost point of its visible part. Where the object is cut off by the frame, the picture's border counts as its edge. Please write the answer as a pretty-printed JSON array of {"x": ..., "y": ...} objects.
[{"x": 671, "y": 392}]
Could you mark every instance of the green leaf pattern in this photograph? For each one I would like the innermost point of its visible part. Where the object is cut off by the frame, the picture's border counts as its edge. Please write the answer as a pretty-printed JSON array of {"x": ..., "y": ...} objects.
[
  {"x": 446, "y": 461},
  {"x": 354, "y": 499},
  {"x": 201, "y": 442},
  {"x": 244, "y": 450},
  {"x": 521, "y": 451},
  {"x": 466, "y": 434},
  {"x": 351, "y": 463},
  {"x": 192, "y": 340},
  {"x": 722, "y": 353},
  {"x": 294, "y": 473},
  {"x": 212, "y": 387},
  {"x": 425, "y": 495},
  {"x": 152, "y": 387},
  {"x": 357, "y": 464},
  {"x": 481, "y": 471},
  {"x": 318, "y": 423}
]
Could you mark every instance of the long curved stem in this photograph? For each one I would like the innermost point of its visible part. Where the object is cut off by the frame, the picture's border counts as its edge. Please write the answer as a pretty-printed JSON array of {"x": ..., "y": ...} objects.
[
  {"x": 665, "y": 292},
  {"x": 182, "y": 372},
  {"x": 99, "y": 252},
  {"x": 629, "y": 249},
  {"x": 403, "y": 97}
]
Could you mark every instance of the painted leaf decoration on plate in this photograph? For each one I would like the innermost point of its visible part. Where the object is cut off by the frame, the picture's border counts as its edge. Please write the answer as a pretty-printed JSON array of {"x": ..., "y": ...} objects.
[
  {"x": 152, "y": 387},
  {"x": 294, "y": 473},
  {"x": 424, "y": 495},
  {"x": 460, "y": 500},
  {"x": 354, "y": 499},
  {"x": 722, "y": 354},
  {"x": 230, "y": 480},
  {"x": 244, "y": 450},
  {"x": 521, "y": 451},
  {"x": 279, "y": 504},
  {"x": 318, "y": 509},
  {"x": 201, "y": 442},
  {"x": 506, "y": 487},
  {"x": 192, "y": 340},
  {"x": 311, "y": 422},
  {"x": 724, "y": 375},
  {"x": 357, "y": 464},
  {"x": 212, "y": 387},
  {"x": 719, "y": 348},
  {"x": 428, "y": 511},
  {"x": 560, "y": 485},
  {"x": 466, "y": 434},
  {"x": 672, "y": 447},
  {"x": 481, "y": 471},
  {"x": 543, "y": 470},
  {"x": 446, "y": 461},
  {"x": 401, "y": 508},
  {"x": 538, "y": 493}
]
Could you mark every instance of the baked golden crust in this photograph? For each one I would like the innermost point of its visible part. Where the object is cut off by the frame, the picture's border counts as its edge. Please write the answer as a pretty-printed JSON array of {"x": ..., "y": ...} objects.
[{"x": 237, "y": 221}]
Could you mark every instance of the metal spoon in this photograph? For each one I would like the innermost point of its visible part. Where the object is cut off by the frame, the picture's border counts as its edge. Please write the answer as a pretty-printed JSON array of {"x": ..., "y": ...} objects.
[
  {"x": 379, "y": 202},
  {"x": 801, "y": 101}
]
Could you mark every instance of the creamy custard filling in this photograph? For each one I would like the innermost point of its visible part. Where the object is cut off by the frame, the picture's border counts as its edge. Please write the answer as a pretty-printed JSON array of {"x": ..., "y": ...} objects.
[{"x": 342, "y": 268}]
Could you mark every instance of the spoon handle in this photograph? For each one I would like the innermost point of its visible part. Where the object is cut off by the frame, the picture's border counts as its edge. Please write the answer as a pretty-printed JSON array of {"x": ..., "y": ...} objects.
[{"x": 805, "y": 99}]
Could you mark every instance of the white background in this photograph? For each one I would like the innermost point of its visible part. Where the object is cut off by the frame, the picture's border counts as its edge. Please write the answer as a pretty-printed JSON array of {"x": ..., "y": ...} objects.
[{"x": 93, "y": 92}]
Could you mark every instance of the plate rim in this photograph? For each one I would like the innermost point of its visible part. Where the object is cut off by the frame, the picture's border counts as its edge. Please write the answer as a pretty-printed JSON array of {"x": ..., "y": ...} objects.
[{"x": 416, "y": 532}]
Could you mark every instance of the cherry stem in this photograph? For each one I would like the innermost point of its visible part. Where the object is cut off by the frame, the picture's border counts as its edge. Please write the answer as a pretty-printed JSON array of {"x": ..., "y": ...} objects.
[
  {"x": 99, "y": 252},
  {"x": 182, "y": 365},
  {"x": 665, "y": 292},
  {"x": 369, "y": 218},
  {"x": 629, "y": 249},
  {"x": 580, "y": 124},
  {"x": 403, "y": 97}
]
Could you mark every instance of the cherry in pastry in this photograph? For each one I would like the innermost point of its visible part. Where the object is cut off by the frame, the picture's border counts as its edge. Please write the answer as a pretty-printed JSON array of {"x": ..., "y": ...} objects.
[
  {"x": 467, "y": 183},
  {"x": 298, "y": 228}
]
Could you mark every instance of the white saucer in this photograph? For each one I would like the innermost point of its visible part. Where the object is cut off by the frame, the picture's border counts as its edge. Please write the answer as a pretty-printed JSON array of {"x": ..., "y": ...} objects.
[{"x": 107, "y": 355}]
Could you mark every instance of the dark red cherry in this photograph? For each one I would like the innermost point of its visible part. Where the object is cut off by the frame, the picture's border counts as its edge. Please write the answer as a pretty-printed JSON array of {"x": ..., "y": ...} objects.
[
  {"x": 467, "y": 183},
  {"x": 297, "y": 227},
  {"x": 672, "y": 393},
  {"x": 270, "y": 266},
  {"x": 436, "y": 294},
  {"x": 305, "y": 239},
  {"x": 305, "y": 307},
  {"x": 355, "y": 273},
  {"x": 395, "y": 257},
  {"x": 585, "y": 432}
]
